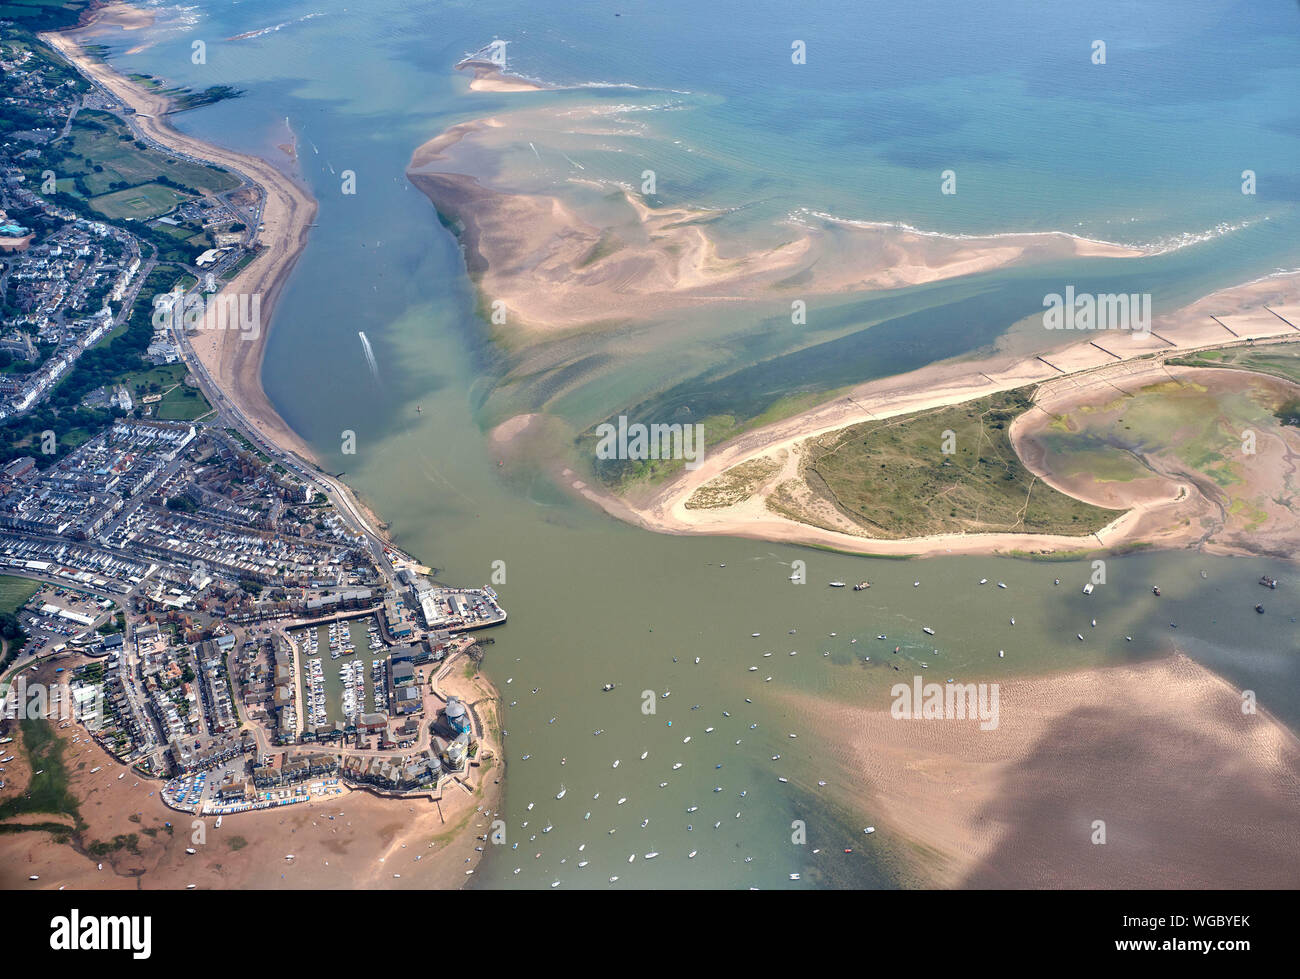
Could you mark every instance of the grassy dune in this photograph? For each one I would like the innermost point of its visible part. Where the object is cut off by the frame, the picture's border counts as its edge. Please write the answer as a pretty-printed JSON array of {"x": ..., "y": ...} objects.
[{"x": 894, "y": 479}]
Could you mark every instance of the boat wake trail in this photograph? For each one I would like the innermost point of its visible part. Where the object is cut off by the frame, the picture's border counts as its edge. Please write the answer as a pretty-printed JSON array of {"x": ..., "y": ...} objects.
[{"x": 370, "y": 355}]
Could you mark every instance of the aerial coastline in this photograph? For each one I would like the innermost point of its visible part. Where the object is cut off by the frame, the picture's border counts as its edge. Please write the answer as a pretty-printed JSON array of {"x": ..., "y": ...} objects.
[
  {"x": 557, "y": 270},
  {"x": 1259, "y": 310},
  {"x": 232, "y": 357},
  {"x": 227, "y": 365},
  {"x": 689, "y": 248}
]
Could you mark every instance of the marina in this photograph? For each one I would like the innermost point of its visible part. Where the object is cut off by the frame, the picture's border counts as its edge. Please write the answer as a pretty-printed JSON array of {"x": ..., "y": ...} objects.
[{"x": 344, "y": 670}]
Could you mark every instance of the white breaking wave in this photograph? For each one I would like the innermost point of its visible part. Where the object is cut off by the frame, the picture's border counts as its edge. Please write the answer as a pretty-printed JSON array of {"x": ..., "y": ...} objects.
[
  {"x": 1160, "y": 246},
  {"x": 278, "y": 27}
]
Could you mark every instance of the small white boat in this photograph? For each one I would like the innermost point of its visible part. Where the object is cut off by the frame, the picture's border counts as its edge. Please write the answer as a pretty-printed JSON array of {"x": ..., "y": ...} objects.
[
  {"x": 927, "y": 630},
  {"x": 652, "y": 854},
  {"x": 1002, "y": 584},
  {"x": 1001, "y": 653},
  {"x": 837, "y": 584},
  {"x": 869, "y": 830},
  {"x": 691, "y": 855},
  {"x": 676, "y": 765},
  {"x": 190, "y": 850},
  {"x": 794, "y": 876},
  {"x": 622, "y": 800},
  {"x": 560, "y": 794},
  {"x": 616, "y": 761},
  {"x": 984, "y": 581},
  {"x": 643, "y": 755},
  {"x": 1080, "y": 635},
  {"x": 1087, "y": 589}
]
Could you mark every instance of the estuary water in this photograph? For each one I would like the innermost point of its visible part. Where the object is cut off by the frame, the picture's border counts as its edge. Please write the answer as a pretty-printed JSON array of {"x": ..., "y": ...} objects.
[{"x": 1148, "y": 148}]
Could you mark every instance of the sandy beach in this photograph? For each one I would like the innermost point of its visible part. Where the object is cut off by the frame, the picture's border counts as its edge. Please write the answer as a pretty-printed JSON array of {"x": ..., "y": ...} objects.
[
  {"x": 559, "y": 265},
  {"x": 1264, "y": 309},
  {"x": 1193, "y": 792},
  {"x": 232, "y": 357}
]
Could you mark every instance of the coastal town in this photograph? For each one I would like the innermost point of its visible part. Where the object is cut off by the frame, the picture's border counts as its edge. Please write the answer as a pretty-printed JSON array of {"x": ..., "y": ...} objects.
[{"x": 219, "y": 614}]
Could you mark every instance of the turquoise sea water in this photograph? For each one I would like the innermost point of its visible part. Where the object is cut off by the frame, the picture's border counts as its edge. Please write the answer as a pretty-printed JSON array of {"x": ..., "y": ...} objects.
[{"x": 1146, "y": 149}]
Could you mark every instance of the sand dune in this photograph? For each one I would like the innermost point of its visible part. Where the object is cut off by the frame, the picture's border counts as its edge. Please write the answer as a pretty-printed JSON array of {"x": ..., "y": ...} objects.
[{"x": 1092, "y": 368}]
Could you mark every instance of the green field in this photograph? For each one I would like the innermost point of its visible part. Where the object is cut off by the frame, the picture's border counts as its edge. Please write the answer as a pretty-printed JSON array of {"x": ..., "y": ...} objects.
[
  {"x": 893, "y": 479},
  {"x": 182, "y": 403},
  {"x": 179, "y": 403},
  {"x": 145, "y": 201},
  {"x": 14, "y": 592},
  {"x": 43, "y": 14},
  {"x": 101, "y": 139}
]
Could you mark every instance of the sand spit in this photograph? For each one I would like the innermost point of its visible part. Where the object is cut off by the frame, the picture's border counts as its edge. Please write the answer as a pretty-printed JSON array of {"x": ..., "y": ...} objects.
[
  {"x": 1264, "y": 309},
  {"x": 556, "y": 265},
  {"x": 1193, "y": 792},
  {"x": 489, "y": 77},
  {"x": 232, "y": 357}
]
